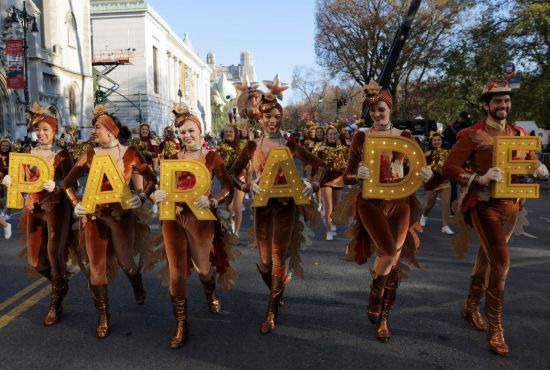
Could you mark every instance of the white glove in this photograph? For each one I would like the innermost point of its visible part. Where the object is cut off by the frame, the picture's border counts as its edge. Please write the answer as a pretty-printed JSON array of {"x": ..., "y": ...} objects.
[
  {"x": 202, "y": 202},
  {"x": 135, "y": 202},
  {"x": 363, "y": 173},
  {"x": 308, "y": 189},
  {"x": 426, "y": 174},
  {"x": 159, "y": 196},
  {"x": 256, "y": 189},
  {"x": 492, "y": 174},
  {"x": 6, "y": 181},
  {"x": 541, "y": 172},
  {"x": 79, "y": 211},
  {"x": 49, "y": 185}
]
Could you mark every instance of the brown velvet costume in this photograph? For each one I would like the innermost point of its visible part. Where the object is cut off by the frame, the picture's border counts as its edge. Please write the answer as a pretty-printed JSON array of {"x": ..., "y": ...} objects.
[
  {"x": 386, "y": 225},
  {"x": 273, "y": 224},
  {"x": 110, "y": 225},
  {"x": 47, "y": 221},
  {"x": 494, "y": 221},
  {"x": 187, "y": 239}
]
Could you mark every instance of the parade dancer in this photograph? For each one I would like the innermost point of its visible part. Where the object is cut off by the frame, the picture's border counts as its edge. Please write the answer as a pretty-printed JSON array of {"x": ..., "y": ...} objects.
[
  {"x": 335, "y": 155},
  {"x": 192, "y": 242},
  {"x": 46, "y": 219},
  {"x": 110, "y": 226},
  {"x": 493, "y": 219},
  {"x": 229, "y": 150},
  {"x": 437, "y": 186},
  {"x": 277, "y": 226},
  {"x": 382, "y": 224}
]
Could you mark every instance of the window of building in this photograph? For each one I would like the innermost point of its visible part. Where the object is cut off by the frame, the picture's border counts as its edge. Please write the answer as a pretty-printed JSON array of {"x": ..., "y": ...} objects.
[
  {"x": 155, "y": 71},
  {"x": 70, "y": 22},
  {"x": 72, "y": 104},
  {"x": 50, "y": 83}
]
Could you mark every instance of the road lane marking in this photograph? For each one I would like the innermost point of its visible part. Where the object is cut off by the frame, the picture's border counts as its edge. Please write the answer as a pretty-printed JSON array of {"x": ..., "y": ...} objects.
[
  {"x": 21, "y": 308},
  {"x": 21, "y": 293}
]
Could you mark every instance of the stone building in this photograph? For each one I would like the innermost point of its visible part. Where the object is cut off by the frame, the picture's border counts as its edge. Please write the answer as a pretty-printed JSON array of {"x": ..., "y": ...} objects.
[
  {"x": 232, "y": 72},
  {"x": 163, "y": 65},
  {"x": 59, "y": 64}
]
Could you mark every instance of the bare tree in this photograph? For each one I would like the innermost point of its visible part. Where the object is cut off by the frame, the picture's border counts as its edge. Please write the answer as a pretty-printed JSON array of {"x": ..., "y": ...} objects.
[
  {"x": 311, "y": 86},
  {"x": 353, "y": 37}
]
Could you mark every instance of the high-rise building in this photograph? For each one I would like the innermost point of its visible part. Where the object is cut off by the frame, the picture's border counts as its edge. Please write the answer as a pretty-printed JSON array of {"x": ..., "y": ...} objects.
[{"x": 232, "y": 72}]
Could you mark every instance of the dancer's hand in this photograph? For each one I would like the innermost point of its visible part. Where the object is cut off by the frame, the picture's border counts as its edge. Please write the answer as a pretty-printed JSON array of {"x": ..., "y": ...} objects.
[
  {"x": 49, "y": 186},
  {"x": 308, "y": 189},
  {"x": 79, "y": 211},
  {"x": 6, "y": 181},
  {"x": 202, "y": 202},
  {"x": 256, "y": 189},
  {"x": 541, "y": 172},
  {"x": 159, "y": 196},
  {"x": 363, "y": 173},
  {"x": 492, "y": 174},
  {"x": 135, "y": 202},
  {"x": 426, "y": 174}
]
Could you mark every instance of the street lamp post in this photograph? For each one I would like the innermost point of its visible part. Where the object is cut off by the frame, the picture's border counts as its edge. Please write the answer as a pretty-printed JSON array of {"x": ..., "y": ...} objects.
[{"x": 25, "y": 20}]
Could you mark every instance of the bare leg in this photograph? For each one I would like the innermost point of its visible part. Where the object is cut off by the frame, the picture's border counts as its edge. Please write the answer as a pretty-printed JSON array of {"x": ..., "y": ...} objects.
[
  {"x": 326, "y": 194},
  {"x": 429, "y": 202},
  {"x": 238, "y": 197}
]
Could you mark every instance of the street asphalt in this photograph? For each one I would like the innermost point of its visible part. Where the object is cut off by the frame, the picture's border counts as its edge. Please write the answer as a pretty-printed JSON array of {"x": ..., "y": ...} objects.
[{"x": 322, "y": 326}]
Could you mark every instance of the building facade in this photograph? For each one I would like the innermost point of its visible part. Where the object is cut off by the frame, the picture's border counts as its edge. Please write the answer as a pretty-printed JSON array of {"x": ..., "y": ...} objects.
[
  {"x": 59, "y": 64},
  {"x": 163, "y": 69}
]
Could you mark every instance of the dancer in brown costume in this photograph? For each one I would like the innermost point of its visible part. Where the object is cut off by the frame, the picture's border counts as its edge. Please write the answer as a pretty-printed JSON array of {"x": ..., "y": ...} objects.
[
  {"x": 47, "y": 214},
  {"x": 110, "y": 225},
  {"x": 493, "y": 219},
  {"x": 187, "y": 239},
  {"x": 334, "y": 154},
  {"x": 274, "y": 224},
  {"x": 384, "y": 224}
]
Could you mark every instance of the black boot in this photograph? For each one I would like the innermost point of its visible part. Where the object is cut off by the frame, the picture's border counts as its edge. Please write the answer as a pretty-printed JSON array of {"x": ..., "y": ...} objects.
[
  {"x": 101, "y": 301},
  {"x": 179, "y": 307}
]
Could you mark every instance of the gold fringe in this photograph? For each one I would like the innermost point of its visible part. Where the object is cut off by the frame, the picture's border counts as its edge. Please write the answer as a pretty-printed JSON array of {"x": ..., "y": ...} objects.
[{"x": 344, "y": 211}]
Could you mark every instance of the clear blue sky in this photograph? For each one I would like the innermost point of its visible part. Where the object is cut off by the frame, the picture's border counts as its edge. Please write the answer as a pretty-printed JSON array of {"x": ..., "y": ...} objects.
[{"x": 279, "y": 33}]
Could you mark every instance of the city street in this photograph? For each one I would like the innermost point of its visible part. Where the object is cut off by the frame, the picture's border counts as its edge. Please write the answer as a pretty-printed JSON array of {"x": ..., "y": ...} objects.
[{"x": 323, "y": 324}]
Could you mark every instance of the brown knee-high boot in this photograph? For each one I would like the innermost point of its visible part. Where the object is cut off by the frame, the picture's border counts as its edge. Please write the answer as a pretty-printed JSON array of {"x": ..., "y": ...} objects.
[
  {"x": 137, "y": 284},
  {"x": 101, "y": 301},
  {"x": 266, "y": 277},
  {"x": 60, "y": 287},
  {"x": 494, "y": 302},
  {"x": 383, "y": 332},
  {"x": 470, "y": 311},
  {"x": 212, "y": 299},
  {"x": 273, "y": 305},
  {"x": 179, "y": 307},
  {"x": 375, "y": 296}
]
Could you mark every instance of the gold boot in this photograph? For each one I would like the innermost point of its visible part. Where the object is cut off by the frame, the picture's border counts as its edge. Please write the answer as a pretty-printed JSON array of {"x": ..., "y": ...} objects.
[
  {"x": 470, "y": 311},
  {"x": 101, "y": 301},
  {"x": 494, "y": 302},
  {"x": 179, "y": 307}
]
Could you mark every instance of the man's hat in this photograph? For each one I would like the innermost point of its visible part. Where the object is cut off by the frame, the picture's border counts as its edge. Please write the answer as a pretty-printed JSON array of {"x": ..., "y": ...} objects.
[{"x": 496, "y": 87}]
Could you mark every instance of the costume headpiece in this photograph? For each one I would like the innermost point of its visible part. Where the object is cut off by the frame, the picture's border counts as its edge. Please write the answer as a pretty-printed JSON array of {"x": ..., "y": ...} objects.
[
  {"x": 435, "y": 133},
  {"x": 375, "y": 93},
  {"x": 182, "y": 113},
  {"x": 269, "y": 102},
  {"x": 496, "y": 87},
  {"x": 39, "y": 114},
  {"x": 102, "y": 117},
  {"x": 310, "y": 124}
]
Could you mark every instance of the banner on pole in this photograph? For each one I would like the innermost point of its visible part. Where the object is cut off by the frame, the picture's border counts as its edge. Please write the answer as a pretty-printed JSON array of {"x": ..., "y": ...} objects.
[{"x": 15, "y": 64}]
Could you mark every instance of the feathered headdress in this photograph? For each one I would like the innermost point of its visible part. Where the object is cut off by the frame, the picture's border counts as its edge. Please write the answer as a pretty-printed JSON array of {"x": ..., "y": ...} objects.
[
  {"x": 375, "y": 93},
  {"x": 39, "y": 114}
]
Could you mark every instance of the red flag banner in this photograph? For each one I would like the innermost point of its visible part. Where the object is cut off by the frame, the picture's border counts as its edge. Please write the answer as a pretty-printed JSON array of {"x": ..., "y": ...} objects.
[{"x": 15, "y": 65}]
